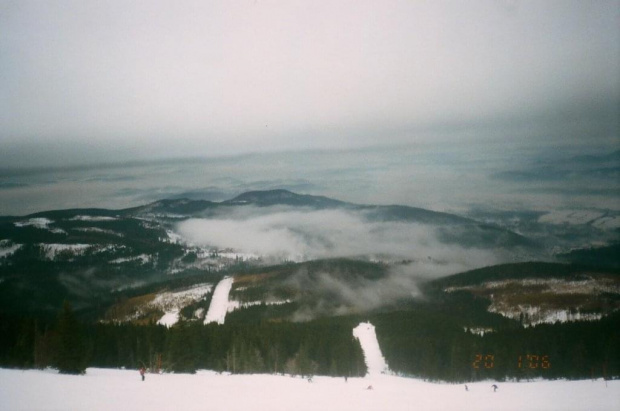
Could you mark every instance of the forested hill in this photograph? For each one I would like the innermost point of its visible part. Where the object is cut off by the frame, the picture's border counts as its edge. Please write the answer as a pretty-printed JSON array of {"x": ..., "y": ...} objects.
[
  {"x": 519, "y": 271},
  {"x": 142, "y": 281}
]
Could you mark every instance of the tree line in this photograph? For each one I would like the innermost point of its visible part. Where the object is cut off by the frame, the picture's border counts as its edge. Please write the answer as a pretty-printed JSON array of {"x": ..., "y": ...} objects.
[
  {"x": 429, "y": 344},
  {"x": 322, "y": 347},
  {"x": 426, "y": 341}
]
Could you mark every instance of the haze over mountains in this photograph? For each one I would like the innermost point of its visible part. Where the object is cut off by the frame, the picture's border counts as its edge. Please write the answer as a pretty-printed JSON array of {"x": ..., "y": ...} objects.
[
  {"x": 459, "y": 178},
  {"x": 283, "y": 264},
  {"x": 344, "y": 189},
  {"x": 89, "y": 253}
]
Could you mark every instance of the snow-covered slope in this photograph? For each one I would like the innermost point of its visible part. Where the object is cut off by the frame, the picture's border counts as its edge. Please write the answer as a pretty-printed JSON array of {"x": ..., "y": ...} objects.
[
  {"x": 102, "y": 389},
  {"x": 169, "y": 302},
  {"x": 40, "y": 223},
  {"x": 7, "y": 248},
  {"x": 219, "y": 302},
  {"x": 365, "y": 333},
  {"x": 173, "y": 302},
  {"x": 547, "y": 300},
  {"x": 51, "y": 251}
]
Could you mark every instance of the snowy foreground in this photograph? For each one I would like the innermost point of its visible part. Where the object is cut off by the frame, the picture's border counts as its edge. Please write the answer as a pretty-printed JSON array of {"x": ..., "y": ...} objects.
[{"x": 105, "y": 389}]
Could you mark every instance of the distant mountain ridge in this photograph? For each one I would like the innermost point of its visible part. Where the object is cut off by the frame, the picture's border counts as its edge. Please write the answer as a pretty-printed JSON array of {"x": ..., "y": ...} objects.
[
  {"x": 284, "y": 197},
  {"x": 281, "y": 197},
  {"x": 452, "y": 228}
]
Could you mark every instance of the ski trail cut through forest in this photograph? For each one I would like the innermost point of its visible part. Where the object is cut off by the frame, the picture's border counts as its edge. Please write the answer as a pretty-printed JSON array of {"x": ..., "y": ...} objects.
[
  {"x": 219, "y": 302},
  {"x": 365, "y": 333}
]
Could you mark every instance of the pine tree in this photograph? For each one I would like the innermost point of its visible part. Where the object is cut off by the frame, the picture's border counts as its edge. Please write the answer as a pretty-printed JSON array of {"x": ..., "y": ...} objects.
[{"x": 71, "y": 356}]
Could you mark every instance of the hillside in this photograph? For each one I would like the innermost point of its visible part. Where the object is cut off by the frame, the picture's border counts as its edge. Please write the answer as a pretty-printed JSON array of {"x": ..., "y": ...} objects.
[
  {"x": 85, "y": 254},
  {"x": 272, "y": 281},
  {"x": 534, "y": 293}
]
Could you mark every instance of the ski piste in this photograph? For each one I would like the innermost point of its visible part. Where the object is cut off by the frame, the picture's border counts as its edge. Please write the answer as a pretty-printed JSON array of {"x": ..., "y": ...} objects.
[
  {"x": 365, "y": 333},
  {"x": 219, "y": 302}
]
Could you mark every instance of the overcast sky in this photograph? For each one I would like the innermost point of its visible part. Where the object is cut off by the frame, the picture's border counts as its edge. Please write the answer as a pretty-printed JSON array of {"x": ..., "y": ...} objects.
[{"x": 112, "y": 80}]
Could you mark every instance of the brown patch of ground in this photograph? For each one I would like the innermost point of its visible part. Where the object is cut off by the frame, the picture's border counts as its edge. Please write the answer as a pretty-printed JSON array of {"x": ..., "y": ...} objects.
[
  {"x": 250, "y": 279},
  {"x": 128, "y": 307}
]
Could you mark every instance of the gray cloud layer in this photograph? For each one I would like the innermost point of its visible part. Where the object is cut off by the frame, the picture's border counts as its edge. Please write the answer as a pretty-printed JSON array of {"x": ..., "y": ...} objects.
[
  {"x": 335, "y": 296},
  {"x": 312, "y": 234},
  {"x": 90, "y": 80}
]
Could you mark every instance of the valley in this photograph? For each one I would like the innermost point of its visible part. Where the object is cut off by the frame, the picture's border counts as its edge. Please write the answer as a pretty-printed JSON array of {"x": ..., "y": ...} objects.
[{"x": 247, "y": 285}]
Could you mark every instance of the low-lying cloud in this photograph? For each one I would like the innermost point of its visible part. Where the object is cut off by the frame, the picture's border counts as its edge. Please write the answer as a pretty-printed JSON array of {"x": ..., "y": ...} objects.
[
  {"x": 301, "y": 235},
  {"x": 334, "y": 295},
  {"x": 312, "y": 234}
]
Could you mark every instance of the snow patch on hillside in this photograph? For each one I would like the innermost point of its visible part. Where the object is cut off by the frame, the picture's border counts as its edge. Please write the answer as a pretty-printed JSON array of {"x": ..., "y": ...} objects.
[
  {"x": 52, "y": 251},
  {"x": 98, "y": 231},
  {"x": 480, "y": 331},
  {"x": 236, "y": 305},
  {"x": 142, "y": 259},
  {"x": 7, "y": 248},
  {"x": 167, "y": 300},
  {"x": 40, "y": 223},
  {"x": 169, "y": 319},
  {"x": 592, "y": 286},
  {"x": 542, "y": 315},
  {"x": 173, "y": 302},
  {"x": 512, "y": 298},
  {"x": 109, "y": 248},
  {"x": 219, "y": 302},
  {"x": 92, "y": 218},
  {"x": 365, "y": 333}
]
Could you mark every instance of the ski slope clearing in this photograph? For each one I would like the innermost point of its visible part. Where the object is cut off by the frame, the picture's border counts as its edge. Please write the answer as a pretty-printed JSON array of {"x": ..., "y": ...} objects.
[
  {"x": 219, "y": 303},
  {"x": 103, "y": 389},
  {"x": 365, "y": 333}
]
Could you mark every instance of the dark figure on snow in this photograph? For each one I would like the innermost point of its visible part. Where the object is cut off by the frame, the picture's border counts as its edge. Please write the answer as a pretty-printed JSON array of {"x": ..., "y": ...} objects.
[
  {"x": 494, "y": 387},
  {"x": 142, "y": 372},
  {"x": 466, "y": 387}
]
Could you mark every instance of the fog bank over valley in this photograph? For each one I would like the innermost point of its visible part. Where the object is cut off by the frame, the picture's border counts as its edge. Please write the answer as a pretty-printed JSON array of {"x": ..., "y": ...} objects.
[{"x": 414, "y": 250}]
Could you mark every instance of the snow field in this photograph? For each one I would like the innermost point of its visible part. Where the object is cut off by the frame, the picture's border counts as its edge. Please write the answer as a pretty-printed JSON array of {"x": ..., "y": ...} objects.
[
  {"x": 169, "y": 319},
  {"x": 142, "y": 258},
  {"x": 173, "y": 302},
  {"x": 219, "y": 303},
  {"x": 7, "y": 248},
  {"x": 52, "y": 250},
  {"x": 98, "y": 230},
  {"x": 92, "y": 218},
  {"x": 365, "y": 333},
  {"x": 107, "y": 389},
  {"x": 236, "y": 305},
  {"x": 40, "y": 223}
]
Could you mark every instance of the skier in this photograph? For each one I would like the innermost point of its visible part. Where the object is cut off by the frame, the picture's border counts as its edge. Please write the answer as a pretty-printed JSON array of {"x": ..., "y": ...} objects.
[
  {"x": 142, "y": 372},
  {"x": 494, "y": 387},
  {"x": 466, "y": 387}
]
